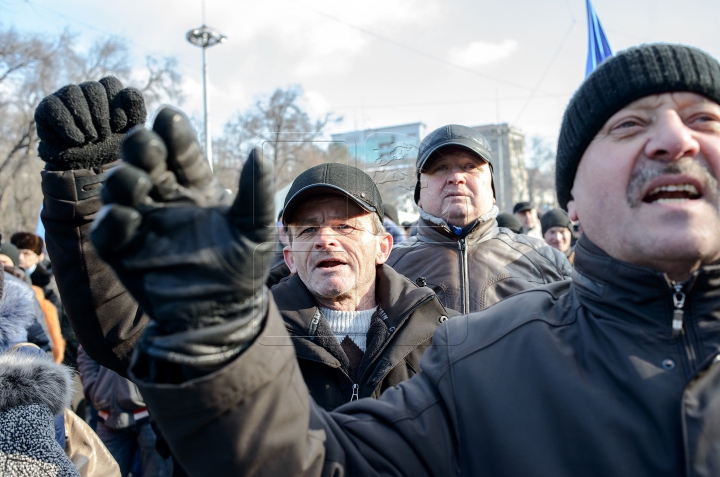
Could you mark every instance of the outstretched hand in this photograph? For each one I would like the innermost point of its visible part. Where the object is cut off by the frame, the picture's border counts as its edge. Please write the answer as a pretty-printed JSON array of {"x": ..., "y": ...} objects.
[{"x": 188, "y": 253}]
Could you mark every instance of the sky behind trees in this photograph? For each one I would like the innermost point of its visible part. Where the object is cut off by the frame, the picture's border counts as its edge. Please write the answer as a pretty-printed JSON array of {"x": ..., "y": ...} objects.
[{"x": 379, "y": 63}]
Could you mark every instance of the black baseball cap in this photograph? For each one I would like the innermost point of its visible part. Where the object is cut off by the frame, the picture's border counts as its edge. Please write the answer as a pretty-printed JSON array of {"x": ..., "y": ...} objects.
[
  {"x": 333, "y": 178},
  {"x": 522, "y": 207},
  {"x": 452, "y": 135}
]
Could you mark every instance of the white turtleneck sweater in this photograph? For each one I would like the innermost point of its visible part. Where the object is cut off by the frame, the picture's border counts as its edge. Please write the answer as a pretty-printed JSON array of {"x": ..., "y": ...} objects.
[{"x": 354, "y": 324}]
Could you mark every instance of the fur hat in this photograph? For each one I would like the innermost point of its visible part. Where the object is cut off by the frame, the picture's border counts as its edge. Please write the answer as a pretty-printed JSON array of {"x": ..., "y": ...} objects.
[
  {"x": 630, "y": 75},
  {"x": 33, "y": 389},
  {"x": 27, "y": 241}
]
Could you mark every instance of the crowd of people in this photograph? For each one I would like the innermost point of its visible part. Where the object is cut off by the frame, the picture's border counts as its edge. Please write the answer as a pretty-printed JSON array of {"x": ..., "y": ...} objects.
[{"x": 471, "y": 342}]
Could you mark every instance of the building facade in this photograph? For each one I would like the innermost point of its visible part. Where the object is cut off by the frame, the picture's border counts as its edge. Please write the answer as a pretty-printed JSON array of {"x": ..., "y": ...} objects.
[
  {"x": 388, "y": 155},
  {"x": 509, "y": 172}
]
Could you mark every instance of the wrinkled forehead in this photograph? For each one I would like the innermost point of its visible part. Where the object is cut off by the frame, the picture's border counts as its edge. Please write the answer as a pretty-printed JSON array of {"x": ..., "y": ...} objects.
[{"x": 324, "y": 207}]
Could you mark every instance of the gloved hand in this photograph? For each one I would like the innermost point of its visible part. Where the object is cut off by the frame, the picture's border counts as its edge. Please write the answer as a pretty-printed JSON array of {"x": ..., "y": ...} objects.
[
  {"x": 190, "y": 255},
  {"x": 82, "y": 126}
]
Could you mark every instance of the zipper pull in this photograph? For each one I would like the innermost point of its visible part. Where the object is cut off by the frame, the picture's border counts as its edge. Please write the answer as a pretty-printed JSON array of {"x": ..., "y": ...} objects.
[
  {"x": 355, "y": 393},
  {"x": 314, "y": 325},
  {"x": 461, "y": 245},
  {"x": 678, "y": 313}
]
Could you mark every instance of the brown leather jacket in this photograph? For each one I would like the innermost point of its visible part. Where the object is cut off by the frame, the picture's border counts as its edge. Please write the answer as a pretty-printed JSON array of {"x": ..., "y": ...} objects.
[
  {"x": 399, "y": 333},
  {"x": 471, "y": 273}
]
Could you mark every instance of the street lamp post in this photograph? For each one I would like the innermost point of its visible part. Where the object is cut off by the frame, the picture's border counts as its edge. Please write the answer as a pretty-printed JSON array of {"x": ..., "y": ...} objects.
[{"x": 205, "y": 37}]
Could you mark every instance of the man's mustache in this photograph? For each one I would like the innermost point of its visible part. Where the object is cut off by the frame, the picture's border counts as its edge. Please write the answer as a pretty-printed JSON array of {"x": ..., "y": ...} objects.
[{"x": 690, "y": 167}]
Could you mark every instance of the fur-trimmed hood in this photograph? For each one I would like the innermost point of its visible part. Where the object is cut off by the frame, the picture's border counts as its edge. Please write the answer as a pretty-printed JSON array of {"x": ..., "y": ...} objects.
[
  {"x": 27, "y": 378},
  {"x": 17, "y": 311}
]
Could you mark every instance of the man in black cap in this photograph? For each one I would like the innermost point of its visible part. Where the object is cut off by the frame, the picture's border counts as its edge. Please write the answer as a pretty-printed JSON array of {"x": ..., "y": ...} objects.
[
  {"x": 528, "y": 217},
  {"x": 618, "y": 376},
  {"x": 557, "y": 229},
  {"x": 358, "y": 326},
  {"x": 459, "y": 251}
]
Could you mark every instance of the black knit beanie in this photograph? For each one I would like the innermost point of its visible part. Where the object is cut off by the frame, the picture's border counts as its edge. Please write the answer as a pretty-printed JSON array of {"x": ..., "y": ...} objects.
[{"x": 631, "y": 74}]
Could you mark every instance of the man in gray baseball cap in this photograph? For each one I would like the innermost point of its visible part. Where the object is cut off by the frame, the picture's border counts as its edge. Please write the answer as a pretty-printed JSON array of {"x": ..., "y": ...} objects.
[{"x": 459, "y": 251}]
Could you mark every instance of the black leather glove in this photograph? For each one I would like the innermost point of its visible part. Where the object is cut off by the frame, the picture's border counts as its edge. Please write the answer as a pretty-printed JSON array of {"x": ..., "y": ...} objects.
[
  {"x": 194, "y": 259},
  {"x": 82, "y": 126}
]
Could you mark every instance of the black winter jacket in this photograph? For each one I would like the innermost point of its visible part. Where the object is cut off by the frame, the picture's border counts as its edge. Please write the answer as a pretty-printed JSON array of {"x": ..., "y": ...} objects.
[
  {"x": 591, "y": 382},
  {"x": 399, "y": 334}
]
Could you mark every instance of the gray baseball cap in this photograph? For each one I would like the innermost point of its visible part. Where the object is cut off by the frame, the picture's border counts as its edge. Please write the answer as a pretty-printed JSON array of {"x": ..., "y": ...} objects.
[{"x": 452, "y": 135}]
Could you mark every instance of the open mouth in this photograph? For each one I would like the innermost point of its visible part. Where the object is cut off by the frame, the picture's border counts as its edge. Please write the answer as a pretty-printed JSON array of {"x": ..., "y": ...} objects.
[
  {"x": 330, "y": 263},
  {"x": 672, "y": 193}
]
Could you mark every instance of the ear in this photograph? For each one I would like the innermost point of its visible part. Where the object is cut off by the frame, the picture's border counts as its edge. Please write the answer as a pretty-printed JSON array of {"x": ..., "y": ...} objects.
[
  {"x": 386, "y": 244},
  {"x": 289, "y": 259},
  {"x": 41, "y": 257},
  {"x": 572, "y": 211}
]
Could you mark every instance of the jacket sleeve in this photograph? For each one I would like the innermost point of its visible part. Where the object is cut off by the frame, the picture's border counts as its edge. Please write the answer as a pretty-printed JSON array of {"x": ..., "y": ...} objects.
[
  {"x": 89, "y": 371},
  {"x": 256, "y": 417},
  {"x": 36, "y": 333},
  {"x": 105, "y": 317}
]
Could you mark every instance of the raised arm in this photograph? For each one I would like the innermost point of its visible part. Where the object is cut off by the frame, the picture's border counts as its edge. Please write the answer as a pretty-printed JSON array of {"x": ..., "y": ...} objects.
[
  {"x": 81, "y": 128},
  {"x": 216, "y": 367}
]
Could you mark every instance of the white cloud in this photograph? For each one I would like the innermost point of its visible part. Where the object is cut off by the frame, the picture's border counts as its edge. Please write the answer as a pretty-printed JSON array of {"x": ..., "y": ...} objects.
[
  {"x": 315, "y": 104},
  {"x": 480, "y": 53}
]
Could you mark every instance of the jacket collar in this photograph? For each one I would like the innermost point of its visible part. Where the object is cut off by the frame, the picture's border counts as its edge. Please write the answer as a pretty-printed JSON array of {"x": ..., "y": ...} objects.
[
  {"x": 615, "y": 289},
  {"x": 396, "y": 295},
  {"x": 436, "y": 229}
]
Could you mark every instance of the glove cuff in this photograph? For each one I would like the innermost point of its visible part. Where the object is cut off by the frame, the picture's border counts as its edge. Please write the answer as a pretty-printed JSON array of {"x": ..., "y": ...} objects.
[
  {"x": 87, "y": 156},
  {"x": 212, "y": 346}
]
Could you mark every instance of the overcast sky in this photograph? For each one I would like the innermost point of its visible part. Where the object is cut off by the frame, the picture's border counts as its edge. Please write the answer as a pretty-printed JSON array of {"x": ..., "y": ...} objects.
[{"x": 384, "y": 62}]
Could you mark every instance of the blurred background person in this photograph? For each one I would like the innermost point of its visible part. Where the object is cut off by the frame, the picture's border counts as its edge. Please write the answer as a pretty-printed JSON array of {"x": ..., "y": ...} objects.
[
  {"x": 9, "y": 257},
  {"x": 391, "y": 221},
  {"x": 509, "y": 221},
  {"x": 557, "y": 231},
  {"x": 32, "y": 259},
  {"x": 528, "y": 217},
  {"x": 123, "y": 420}
]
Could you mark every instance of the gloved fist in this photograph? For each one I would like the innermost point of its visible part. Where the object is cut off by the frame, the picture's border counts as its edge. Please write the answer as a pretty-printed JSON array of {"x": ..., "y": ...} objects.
[
  {"x": 190, "y": 255},
  {"x": 82, "y": 126}
]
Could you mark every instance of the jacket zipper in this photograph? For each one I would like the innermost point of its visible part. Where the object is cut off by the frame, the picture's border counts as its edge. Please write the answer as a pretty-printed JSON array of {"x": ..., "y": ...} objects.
[
  {"x": 313, "y": 325},
  {"x": 679, "y": 329},
  {"x": 402, "y": 321},
  {"x": 678, "y": 312},
  {"x": 311, "y": 333},
  {"x": 464, "y": 286},
  {"x": 355, "y": 386}
]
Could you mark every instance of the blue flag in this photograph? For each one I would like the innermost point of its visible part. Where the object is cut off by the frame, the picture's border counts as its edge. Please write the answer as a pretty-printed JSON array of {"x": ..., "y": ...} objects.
[{"x": 598, "y": 46}]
